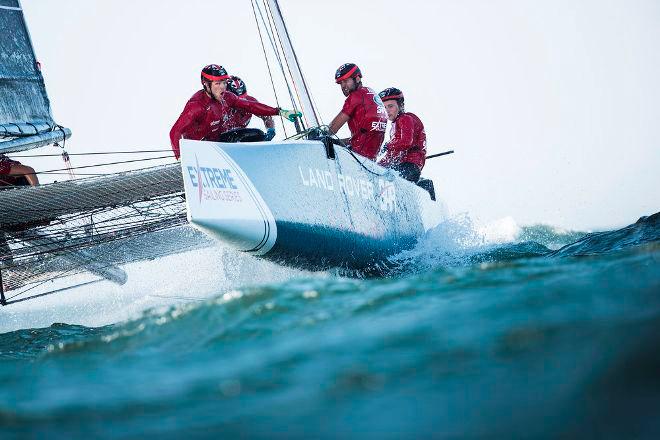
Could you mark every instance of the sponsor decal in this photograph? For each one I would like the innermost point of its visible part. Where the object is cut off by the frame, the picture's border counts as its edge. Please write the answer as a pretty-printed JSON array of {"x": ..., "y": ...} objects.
[
  {"x": 381, "y": 107},
  {"x": 387, "y": 196},
  {"x": 378, "y": 126},
  {"x": 214, "y": 183},
  {"x": 384, "y": 195}
]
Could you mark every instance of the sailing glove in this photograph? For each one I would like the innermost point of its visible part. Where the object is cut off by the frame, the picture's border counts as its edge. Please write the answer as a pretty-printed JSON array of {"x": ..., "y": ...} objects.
[
  {"x": 270, "y": 134},
  {"x": 291, "y": 115}
]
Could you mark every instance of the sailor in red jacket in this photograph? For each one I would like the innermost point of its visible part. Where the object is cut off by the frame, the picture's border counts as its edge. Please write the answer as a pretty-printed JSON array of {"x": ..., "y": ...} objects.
[
  {"x": 13, "y": 170},
  {"x": 406, "y": 150},
  {"x": 363, "y": 110},
  {"x": 206, "y": 112},
  {"x": 238, "y": 118}
]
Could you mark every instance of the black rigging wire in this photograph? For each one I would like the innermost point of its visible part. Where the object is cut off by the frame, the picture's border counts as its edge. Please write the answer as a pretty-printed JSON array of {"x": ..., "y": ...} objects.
[
  {"x": 362, "y": 163},
  {"x": 93, "y": 153},
  {"x": 96, "y": 165},
  {"x": 279, "y": 39},
  {"x": 325, "y": 129},
  {"x": 268, "y": 26},
  {"x": 293, "y": 52},
  {"x": 50, "y": 292},
  {"x": 270, "y": 74},
  {"x": 62, "y": 274}
]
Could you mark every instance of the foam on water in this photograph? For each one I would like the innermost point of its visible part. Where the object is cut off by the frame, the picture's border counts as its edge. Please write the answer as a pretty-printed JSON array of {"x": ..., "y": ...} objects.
[
  {"x": 200, "y": 274},
  {"x": 504, "y": 230},
  {"x": 192, "y": 276},
  {"x": 462, "y": 240}
]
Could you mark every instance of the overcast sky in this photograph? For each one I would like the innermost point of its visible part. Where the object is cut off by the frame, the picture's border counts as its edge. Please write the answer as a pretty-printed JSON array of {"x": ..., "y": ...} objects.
[{"x": 553, "y": 107}]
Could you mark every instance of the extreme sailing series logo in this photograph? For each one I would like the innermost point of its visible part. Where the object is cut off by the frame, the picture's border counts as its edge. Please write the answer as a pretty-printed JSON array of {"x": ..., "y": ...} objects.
[{"x": 214, "y": 183}]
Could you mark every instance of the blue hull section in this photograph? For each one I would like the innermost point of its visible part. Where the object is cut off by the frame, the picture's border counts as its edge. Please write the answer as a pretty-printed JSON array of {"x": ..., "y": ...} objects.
[
  {"x": 341, "y": 211},
  {"x": 318, "y": 248}
]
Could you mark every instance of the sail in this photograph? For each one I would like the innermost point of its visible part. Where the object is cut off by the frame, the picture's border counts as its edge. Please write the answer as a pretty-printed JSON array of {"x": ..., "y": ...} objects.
[{"x": 25, "y": 117}]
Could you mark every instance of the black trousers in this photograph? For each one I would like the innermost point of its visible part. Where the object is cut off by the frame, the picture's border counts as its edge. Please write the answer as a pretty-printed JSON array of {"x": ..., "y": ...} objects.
[{"x": 408, "y": 171}]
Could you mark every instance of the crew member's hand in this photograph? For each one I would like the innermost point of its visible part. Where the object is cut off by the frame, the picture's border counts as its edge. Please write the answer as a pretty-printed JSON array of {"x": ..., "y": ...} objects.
[
  {"x": 270, "y": 134},
  {"x": 291, "y": 115}
]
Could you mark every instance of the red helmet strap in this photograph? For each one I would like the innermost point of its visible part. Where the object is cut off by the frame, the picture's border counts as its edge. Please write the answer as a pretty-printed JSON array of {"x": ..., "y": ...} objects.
[{"x": 207, "y": 88}]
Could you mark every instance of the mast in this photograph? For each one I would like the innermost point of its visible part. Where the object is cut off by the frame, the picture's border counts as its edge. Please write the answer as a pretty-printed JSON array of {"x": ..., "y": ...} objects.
[{"x": 309, "y": 113}]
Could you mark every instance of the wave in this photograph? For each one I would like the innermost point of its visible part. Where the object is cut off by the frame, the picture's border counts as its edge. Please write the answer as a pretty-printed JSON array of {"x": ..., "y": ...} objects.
[
  {"x": 549, "y": 236},
  {"x": 190, "y": 277},
  {"x": 485, "y": 319},
  {"x": 482, "y": 340},
  {"x": 645, "y": 230},
  {"x": 462, "y": 241}
]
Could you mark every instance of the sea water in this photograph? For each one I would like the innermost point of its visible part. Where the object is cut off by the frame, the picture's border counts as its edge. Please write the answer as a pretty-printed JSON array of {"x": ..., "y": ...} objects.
[{"x": 501, "y": 333}]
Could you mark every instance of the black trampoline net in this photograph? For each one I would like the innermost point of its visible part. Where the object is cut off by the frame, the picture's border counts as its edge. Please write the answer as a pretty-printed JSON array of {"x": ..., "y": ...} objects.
[{"x": 142, "y": 216}]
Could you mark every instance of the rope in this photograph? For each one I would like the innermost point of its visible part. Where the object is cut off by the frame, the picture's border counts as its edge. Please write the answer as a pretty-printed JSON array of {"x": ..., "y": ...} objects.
[
  {"x": 60, "y": 128},
  {"x": 67, "y": 164},
  {"x": 50, "y": 292},
  {"x": 279, "y": 39},
  {"x": 96, "y": 165},
  {"x": 314, "y": 108},
  {"x": 270, "y": 74},
  {"x": 325, "y": 129},
  {"x": 63, "y": 274},
  {"x": 92, "y": 153},
  {"x": 36, "y": 130},
  {"x": 63, "y": 173},
  {"x": 362, "y": 163},
  {"x": 334, "y": 136},
  {"x": 269, "y": 31}
]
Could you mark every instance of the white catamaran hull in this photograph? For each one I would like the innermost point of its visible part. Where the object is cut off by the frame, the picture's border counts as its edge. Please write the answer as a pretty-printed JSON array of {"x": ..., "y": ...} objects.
[{"x": 296, "y": 204}]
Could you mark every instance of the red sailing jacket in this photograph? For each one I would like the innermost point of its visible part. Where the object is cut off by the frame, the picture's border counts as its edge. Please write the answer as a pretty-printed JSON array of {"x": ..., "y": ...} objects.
[
  {"x": 200, "y": 119},
  {"x": 5, "y": 170},
  {"x": 368, "y": 120},
  {"x": 407, "y": 142},
  {"x": 204, "y": 118},
  {"x": 238, "y": 118},
  {"x": 233, "y": 103},
  {"x": 6, "y": 163}
]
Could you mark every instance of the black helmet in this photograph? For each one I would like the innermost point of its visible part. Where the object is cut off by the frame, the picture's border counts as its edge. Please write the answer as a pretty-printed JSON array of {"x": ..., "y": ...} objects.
[
  {"x": 392, "y": 93},
  {"x": 236, "y": 86},
  {"x": 213, "y": 72},
  {"x": 345, "y": 71}
]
